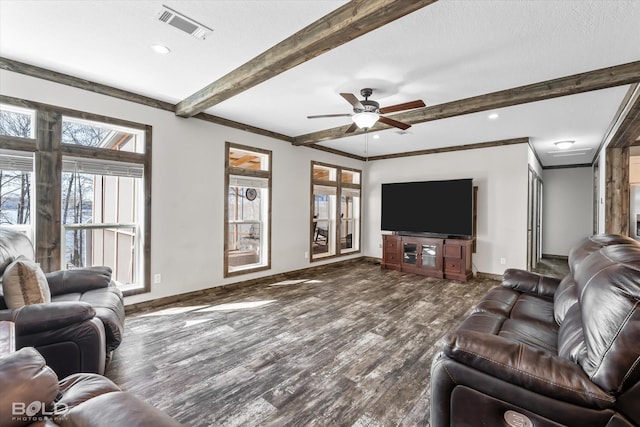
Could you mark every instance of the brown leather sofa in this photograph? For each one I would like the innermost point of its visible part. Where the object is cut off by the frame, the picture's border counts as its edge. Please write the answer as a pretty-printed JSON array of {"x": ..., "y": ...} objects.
[
  {"x": 540, "y": 351},
  {"x": 30, "y": 395},
  {"x": 83, "y": 323}
]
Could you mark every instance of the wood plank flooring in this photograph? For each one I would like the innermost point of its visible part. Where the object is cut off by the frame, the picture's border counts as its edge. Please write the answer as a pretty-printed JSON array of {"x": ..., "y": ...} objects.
[{"x": 350, "y": 345}]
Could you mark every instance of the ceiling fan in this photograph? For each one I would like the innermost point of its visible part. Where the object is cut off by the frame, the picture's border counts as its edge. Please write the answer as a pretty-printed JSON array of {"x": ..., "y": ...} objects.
[{"x": 367, "y": 112}]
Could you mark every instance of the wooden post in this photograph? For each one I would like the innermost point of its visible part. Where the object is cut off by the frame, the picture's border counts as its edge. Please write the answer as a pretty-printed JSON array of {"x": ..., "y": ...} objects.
[
  {"x": 617, "y": 191},
  {"x": 48, "y": 166}
]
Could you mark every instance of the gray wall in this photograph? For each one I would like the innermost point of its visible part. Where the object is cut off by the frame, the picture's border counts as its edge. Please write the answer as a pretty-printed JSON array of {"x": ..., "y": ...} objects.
[{"x": 567, "y": 209}]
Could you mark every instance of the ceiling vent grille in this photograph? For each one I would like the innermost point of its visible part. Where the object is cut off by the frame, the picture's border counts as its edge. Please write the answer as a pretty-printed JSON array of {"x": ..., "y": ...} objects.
[{"x": 183, "y": 23}]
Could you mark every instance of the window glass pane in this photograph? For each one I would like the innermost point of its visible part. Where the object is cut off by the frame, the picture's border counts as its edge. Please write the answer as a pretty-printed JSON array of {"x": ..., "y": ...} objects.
[
  {"x": 246, "y": 211},
  {"x": 324, "y": 202},
  {"x": 15, "y": 197},
  {"x": 92, "y": 134},
  {"x": 324, "y": 173},
  {"x": 16, "y": 121},
  {"x": 350, "y": 177},
  {"x": 100, "y": 222},
  {"x": 349, "y": 220},
  {"x": 322, "y": 239},
  {"x": 249, "y": 160},
  {"x": 324, "y": 213}
]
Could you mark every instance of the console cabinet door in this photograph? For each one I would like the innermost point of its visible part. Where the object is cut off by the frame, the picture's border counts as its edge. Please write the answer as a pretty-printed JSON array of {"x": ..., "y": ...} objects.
[{"x": 422, "y": 256}]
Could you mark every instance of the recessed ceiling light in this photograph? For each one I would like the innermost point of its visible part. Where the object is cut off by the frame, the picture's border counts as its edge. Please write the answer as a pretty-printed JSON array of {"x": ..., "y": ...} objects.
[
  {"x": 564, "y": 145},
  {"x": 493, "y": 116},
  {"x": 160, "y": 48}
]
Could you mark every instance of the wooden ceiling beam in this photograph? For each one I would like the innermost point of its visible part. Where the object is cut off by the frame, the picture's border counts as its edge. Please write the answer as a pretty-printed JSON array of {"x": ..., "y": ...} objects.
[
  {"x": 628, "y": 133},
  {"x": 344, "y": 24},
  {"x": 578, "y": 83}
]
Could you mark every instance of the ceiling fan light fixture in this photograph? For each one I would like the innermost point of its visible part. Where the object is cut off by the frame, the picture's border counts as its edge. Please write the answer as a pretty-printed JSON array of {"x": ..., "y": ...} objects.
[
  {"x": 563, "y": 145},
  {"x": 365, "y": 119}
]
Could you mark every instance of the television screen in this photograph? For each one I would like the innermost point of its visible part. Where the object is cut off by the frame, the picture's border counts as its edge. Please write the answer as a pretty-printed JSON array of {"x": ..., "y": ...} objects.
[{"x": 431, "y": 207}]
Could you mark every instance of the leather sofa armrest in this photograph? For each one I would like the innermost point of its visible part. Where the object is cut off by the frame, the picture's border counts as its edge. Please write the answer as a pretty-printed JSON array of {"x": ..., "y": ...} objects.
[
  {"x": 526, "y": 367},
  {"x": 118, "y": 408},
  {"x": 24, "y": 378},
  {"x": 34, "y": 318},
  {"x": 531, "y": 283},
  {"x": 78, "y": 280}
]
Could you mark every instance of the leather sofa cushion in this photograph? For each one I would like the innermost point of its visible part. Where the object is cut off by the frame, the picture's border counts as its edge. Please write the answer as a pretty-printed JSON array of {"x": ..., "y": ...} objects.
[
  {"x": 538, "y": 335},
  {"x": 78, "y": 388},
  {"x": 608, "y": 284},
  {"x": 571, "y": 343},
  {"x": 564, "y": 298},
  {"x": 79, "y": 279},
  {"x": 13, "y": 245},
  {"x": 24, "y": 283},
  {"x": 591, "y": 244},
  {"x": 24, "y": 378},
  {"x": 108, "y": 306}
]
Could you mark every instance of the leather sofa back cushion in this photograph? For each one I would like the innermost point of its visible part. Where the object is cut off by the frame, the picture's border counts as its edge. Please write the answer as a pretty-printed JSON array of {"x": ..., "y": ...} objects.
[
  {"x": 12, "y": 245},
  {"x": 24, "y": 283},
  {"x": 571, "y": 343},
  {"x": 24, "y": 379},
  {"x": 608, "y": 284},
  {"x": 591, "y": 244},
  {"x": 564, "y": 298}
]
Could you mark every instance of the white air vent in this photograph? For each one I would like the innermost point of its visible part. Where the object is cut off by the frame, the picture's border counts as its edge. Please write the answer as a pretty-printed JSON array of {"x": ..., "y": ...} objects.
[{"x": 182, "y": 23}]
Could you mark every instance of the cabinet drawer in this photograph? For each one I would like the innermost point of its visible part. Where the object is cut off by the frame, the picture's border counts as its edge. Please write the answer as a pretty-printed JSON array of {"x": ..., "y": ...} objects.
[
  {"x": 452, "y": 251},
  {"x": 392, "y": 244},
  {"x": 392, "y": 258},
  {"x": 452, "y": 265}
]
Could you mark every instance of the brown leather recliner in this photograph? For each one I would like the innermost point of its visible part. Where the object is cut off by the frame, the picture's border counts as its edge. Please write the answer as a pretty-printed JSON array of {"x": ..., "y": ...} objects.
[
  {"x": 30, "y": 395},
  {"x": 540, "y": 351},
  {"x": 81, "y": 325}
]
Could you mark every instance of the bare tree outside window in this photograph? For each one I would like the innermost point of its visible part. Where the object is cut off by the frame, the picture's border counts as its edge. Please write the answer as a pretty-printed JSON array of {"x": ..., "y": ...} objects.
[
  {"x": 15, "y": 185},
  {"x": 78, "y": 189}
]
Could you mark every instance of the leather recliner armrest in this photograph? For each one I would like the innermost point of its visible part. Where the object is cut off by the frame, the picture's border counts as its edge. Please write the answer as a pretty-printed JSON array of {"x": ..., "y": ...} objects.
[
  {"x": 118, "y": 408},
  {"x": 35, "y": 318},
  {"x": 78, "y": 280},
  {"x": 531, "y": 283},
  {"x": 526, "y": 367},
  {"x": 24, "y": 378}
]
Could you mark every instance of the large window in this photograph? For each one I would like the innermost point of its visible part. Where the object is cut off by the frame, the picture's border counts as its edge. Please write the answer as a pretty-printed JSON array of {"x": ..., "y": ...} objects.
[
  {"x": 88, "y": 201},
  {"x": 102, "y": 205},
  {"x": 247, "y": 207},
  {"x": 335, "y": 216}
]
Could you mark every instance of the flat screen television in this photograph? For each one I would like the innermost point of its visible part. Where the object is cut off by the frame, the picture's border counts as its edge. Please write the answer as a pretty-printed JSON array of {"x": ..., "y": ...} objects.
[{"x": 442, "y": 208}]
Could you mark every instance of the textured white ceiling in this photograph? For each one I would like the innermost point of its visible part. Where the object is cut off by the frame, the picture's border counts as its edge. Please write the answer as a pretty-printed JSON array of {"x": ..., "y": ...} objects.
[{"x": 447, "y": 51}]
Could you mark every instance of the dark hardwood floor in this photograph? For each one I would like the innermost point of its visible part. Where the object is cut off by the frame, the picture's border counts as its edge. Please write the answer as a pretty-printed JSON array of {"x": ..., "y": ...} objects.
[{"x": 347, "y": 345}]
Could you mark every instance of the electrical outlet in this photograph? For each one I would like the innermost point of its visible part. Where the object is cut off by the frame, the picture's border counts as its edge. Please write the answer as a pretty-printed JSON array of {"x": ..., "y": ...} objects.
[
  {"x": 157, "y": 278},
  {"x": 306, "y": 255},
  {"x": 503, "y": 261}
]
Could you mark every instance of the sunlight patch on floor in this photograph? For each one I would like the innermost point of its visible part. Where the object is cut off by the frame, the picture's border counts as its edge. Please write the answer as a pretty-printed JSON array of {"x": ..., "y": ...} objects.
[
  {"x": 295, "y": 282},
  {"x": 236, "y": 306},
  {"x": 174, "y": 310},
  {"x": 195, "y": 322}
]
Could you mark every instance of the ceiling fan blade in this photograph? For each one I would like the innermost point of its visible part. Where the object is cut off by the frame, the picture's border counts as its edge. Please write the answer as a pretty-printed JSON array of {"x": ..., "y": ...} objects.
[
  {"x": 394, "y": 123},
  {"x": 351, "y": 128},
  {"x": 328, "y": 115},
  {"x": 351, "y": 99},
  {"x": 400, "y": 107}
]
